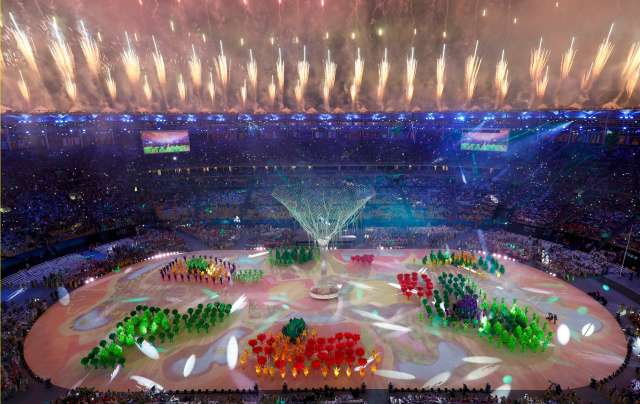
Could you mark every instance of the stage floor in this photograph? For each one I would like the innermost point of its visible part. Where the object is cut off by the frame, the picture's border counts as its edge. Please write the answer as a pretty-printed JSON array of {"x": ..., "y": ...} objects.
[{"x": 414, "y": 355}]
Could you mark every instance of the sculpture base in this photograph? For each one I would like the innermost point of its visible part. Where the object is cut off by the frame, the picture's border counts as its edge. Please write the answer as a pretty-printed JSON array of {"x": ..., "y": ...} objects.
[{"x": 324, "y": 293}]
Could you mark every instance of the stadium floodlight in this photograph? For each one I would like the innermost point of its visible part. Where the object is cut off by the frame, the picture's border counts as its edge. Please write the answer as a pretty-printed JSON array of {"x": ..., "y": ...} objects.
[{"x": 323, "y": 209}]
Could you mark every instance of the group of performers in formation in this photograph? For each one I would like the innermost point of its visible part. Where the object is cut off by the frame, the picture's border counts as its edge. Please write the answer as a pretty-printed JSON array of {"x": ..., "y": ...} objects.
[{"x": 218, "y": 270}]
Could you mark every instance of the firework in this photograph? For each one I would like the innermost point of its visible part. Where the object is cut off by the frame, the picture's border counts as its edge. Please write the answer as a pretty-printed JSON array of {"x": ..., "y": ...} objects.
[
  {"x": 61, "y": 52},
  {"x": 633, "y": 60},
  {"x": 632, "y": 82},
  {"x": 567, "y": 61},
  {"x": 131, "y": 62},
  {"x": 90, "y": 50},
  {"x": 383, "y": 76},
  {"x": 541, "y": 84},
  {"x": 252, "y": 73},
  {"x": 280, "y": 73},
  {"x": 631, "y": 70},
  {"x": 329, "y": 79},
  {"x": 146, "y": 88},
  {"x": 70, "y": 88},
  {"x": 23, "y": 43},
  {"x": 602, "y": 56},
  {"x": 501, "y": 80},
  {"x": 195, "y": 68},
  {"x": 63, "y": 58},
  {"x": 358, "y": 74},
  {"x": 299, "y": 94},
  {"x": 585, "y": 80},
  {"x": 111, "y": 84},
  {"x": 303, "y": 78},
  {"x": 182, "y": 89},
  {"x": 222, "y": 71},
  {"x": 471, "y": 69},
  {"x": 243, "y": 94},
  {"x": 211, "y": 88},
  {"x": 440, "y": 76},
  {"x": 158, "y": 62},
  {"x": 22, "y": 87},
  {"x": 412, "y": 65},
  {"x": 271, "y": 90},
  {"x": 538, "y": 62}
]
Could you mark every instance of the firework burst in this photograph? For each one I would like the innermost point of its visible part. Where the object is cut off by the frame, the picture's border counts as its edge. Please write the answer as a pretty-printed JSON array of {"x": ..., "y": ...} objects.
[
  {"x": 211, "y": 87},
  {"x": 23, "y": 43},
  {"x": 252, "y": 74},
  {"x": 501, "y": 80},
  {"x": 271, "y": 90},
  {"x": 303, "y": 78},
  {"x": 195, "y": 68},
  {"x": 131, "y": 62},
  {"x": 568, "y": 57},
  {"x": 63, "y": 58},
  {"x": 22, "y": 87},
  {"x": 538, "y": 62},
  {"x": 358, "y": 74},
  {"x": 222, "y": 71},
  {"x": 158, "y": 62},
  {"x": 412, "y": 66},
  {"x": 243, "y": 94},
  {"x": 605, "y": 49},
  {"x": 471, "y": 69},
  {"x": 90, "y": 50},
  {"x": 182, "y": 88},
  {"x": 441, "y": 65},
  {"x": 146, "y": 89},
  {"x": 329, "y": 80},
  {"x": 280, "y": 74},
  {"x": 383, "y": 76},
  {"x": 541, "y": 84},
  {"x": 110, "y": 84}
]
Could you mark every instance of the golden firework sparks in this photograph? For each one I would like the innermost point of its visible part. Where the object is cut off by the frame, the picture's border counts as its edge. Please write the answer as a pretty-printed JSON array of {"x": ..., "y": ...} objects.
[
  {"x": 90, "y": 50},
  {"x": 23, "y": 43},
  {"x": 383, "y": 76},
  {"x": 110, "y": 84},
  {"x": 501, "y": 80},
  {"x": 131, "y": 62},
  {"x": 146, "y": 88},
  {"x": 158, "y": 62},
  {"x": 182, "y": 88},
  {"x": 195, "y": 68},
  {"x": 211, "y": 88},
  {"x": 412, "y": 66},
  {"x": 566, "y": 64},
  {"x": 329, "y": 80},
  {"x": 440, "y": 76},
  {"x": 471, "y": 69},
  {"x": 22, "y": 87},
  {"x": 271, "y": 90}
]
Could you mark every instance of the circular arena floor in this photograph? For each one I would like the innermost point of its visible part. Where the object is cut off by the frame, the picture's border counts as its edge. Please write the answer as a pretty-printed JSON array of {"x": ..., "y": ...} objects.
[{"x": 413, "y": 354}]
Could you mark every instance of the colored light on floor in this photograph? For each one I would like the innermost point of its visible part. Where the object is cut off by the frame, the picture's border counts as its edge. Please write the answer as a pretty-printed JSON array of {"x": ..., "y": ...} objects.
[
  {"x": 507, "y": 379},
  {"x": 563, "y": 334},
  {"x": 605, "y": 287},
  {"x": 553, "y": 299},
  {"x": 582, "y": 310},
  {"x": 136, "y": 300}
]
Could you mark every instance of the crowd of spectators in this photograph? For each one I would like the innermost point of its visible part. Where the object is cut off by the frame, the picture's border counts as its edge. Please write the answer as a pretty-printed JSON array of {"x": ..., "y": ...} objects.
[
  {"x": 71, "y": 193},
  {"x": 16, "y": 376}
]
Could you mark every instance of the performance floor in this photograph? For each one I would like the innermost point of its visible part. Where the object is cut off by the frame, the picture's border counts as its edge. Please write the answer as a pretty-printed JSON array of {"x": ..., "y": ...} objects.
[{"x": 413, "y": 354}]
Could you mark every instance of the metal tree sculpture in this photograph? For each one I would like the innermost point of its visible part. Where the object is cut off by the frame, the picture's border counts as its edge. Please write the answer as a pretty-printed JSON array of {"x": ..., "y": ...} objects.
[{"x": 323, "y": 209}]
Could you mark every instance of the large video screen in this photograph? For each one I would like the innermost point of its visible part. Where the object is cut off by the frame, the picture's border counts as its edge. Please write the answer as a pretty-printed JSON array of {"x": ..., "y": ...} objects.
[
  {"x": 165, "y": 141},
  {"x": 496, "y": 140}
]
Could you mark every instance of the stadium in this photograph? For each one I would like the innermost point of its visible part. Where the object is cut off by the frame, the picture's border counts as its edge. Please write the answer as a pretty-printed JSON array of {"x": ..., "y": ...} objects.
[{"x": 288, "y": 201}]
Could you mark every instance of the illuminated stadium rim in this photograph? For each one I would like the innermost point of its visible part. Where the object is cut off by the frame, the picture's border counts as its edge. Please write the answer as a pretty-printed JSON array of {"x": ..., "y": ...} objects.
[{"x": 462, "y": 116}]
